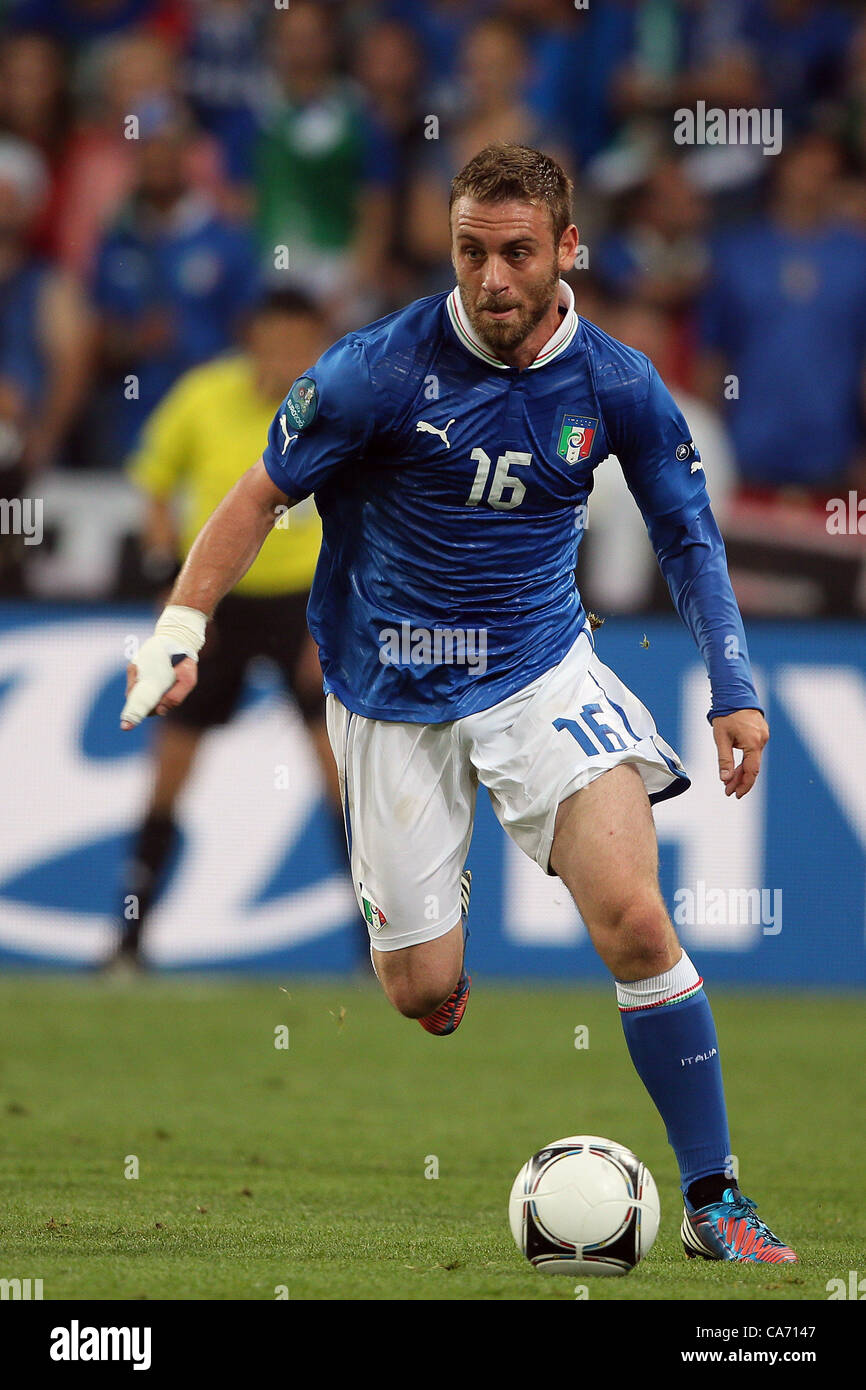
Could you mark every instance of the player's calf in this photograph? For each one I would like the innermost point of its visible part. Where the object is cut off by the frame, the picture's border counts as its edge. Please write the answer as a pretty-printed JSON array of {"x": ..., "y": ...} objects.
[
  {"x": 414, "y": 1000},
  {"x": 449, "y": 1015},
  {"x": 418, "y": 979}
]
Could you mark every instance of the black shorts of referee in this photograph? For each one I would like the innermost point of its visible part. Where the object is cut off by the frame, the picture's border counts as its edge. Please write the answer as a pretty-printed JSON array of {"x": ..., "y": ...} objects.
[{"x": 245, "y": 627}]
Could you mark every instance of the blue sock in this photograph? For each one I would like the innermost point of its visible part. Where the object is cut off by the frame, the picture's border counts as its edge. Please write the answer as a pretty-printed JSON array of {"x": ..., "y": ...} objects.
[{"x": 669, "y": 1030}]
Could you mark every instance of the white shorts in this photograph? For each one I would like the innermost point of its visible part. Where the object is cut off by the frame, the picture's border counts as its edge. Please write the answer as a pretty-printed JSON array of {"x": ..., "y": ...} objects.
[{"x": 409, "y": 789}]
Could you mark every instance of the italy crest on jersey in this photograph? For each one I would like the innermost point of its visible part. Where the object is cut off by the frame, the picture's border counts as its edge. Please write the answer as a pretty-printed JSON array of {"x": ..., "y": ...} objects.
[{"x": 576, "y": 434}]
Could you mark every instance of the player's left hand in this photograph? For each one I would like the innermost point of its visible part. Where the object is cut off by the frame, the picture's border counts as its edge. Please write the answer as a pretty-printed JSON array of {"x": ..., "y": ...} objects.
[{"x": 745, "y": 729}]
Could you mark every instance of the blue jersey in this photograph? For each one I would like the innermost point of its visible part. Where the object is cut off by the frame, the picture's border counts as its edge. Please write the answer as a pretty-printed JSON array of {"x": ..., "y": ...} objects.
[
  {"x": 772, "y": 291},
  {"x": 199, "y": 269},
  {"x": 452, "y": 490}
]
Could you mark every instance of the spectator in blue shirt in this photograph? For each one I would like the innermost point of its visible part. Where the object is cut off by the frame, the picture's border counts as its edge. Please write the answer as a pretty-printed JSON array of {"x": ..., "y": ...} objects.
[
  {"x": 225, "y": 78},
  {"x": 801, "y": 46},
  {"x": 441, "y": 27},
  {"x": 785, "y": 314},
  {"x": 573, "y": 57},
  {"x": 173, "y": 278},
  {"x": 658, "y": 253},
  {"x": 390, "y": 68},
  {"x": 81, "y": 22},
  {"x": 493, "y": 68}
]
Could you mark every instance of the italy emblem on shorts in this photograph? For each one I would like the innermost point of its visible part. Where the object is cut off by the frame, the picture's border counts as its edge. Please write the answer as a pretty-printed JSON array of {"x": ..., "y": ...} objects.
[
  {"x": 373, "y": 915},
  {"x": 576, "y": 434}
]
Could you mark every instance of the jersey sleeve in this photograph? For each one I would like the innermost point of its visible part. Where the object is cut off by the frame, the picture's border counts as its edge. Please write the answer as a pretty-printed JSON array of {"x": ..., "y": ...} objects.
[
  {"x": 324, "y": 422},
  {"x": 662, "y": 466},
  {"x": 660, "y": 460}
]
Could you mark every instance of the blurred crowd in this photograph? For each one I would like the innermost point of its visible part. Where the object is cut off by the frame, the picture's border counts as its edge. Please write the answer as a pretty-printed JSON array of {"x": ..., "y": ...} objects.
[{"x": 166, "y": 163}]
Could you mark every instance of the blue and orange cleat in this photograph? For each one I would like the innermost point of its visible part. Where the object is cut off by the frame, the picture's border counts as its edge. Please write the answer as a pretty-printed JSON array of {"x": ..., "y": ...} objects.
[
  {"x": 732, "y": 1230},
  {"x": 446, "y": 1019}
]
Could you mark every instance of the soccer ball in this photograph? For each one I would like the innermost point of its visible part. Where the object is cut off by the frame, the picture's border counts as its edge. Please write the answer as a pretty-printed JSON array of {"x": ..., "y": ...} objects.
[{"x": 584, "y": 1205}]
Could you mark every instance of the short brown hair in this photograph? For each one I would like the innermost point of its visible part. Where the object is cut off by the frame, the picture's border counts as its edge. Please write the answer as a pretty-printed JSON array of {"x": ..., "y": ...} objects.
[{"x": 504, "y": 172}]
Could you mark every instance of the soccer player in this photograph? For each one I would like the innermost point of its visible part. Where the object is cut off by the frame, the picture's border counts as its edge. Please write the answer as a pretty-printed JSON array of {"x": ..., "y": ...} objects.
[
  {"x": 187, "y": 460},
  {"x": 448, "y": 446}
]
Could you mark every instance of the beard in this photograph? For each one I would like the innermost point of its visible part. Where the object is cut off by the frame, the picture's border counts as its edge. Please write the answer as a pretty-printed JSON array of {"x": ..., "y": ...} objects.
[{"x": 507, "y": 334}]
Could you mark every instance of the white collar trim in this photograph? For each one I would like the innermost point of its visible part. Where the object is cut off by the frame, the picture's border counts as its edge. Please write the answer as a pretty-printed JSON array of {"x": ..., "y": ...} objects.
[{"x": 556, "y": 343}]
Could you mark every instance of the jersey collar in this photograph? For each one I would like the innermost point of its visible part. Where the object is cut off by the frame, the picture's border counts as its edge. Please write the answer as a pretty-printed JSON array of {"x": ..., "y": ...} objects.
[{"x": 555, "y": 344}]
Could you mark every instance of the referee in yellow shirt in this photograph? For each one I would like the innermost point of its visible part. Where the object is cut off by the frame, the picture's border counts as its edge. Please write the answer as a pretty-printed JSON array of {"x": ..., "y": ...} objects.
[{"x": 194, "y": 446}]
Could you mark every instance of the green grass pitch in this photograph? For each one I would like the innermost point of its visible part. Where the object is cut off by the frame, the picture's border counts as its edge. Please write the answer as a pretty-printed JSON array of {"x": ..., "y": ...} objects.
[{"x": 262, "y": 1168}]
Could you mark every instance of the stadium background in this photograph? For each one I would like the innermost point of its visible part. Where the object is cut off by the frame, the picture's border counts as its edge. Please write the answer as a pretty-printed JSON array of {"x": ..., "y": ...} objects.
[{"x": 333, "y": 130}]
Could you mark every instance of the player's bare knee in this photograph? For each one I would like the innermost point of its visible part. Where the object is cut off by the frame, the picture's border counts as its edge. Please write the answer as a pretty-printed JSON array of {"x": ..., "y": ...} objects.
[
  {"x": 640, "y": 940},
  {"x": 417, "y": 988},
  {"x": 419, "y": 978},
  {"x": 414, "y": 1000}
]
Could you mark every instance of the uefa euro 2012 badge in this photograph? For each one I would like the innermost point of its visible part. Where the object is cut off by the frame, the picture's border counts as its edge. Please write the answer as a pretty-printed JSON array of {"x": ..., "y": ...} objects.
[
  {"x": 302, "y": 402},
  {"x": 576, "y": 434}
]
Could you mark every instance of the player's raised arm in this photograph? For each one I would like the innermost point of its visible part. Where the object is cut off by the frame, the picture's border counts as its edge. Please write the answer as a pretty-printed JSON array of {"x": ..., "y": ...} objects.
[
  {"x": 322, "y": 425},
  {"x": 164, "y": 670},
  {"x": 663, "y": 469}
]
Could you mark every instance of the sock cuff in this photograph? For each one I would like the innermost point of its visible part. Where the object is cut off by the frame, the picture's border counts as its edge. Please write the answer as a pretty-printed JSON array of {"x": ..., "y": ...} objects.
[{"x": 673, "y": 987}]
